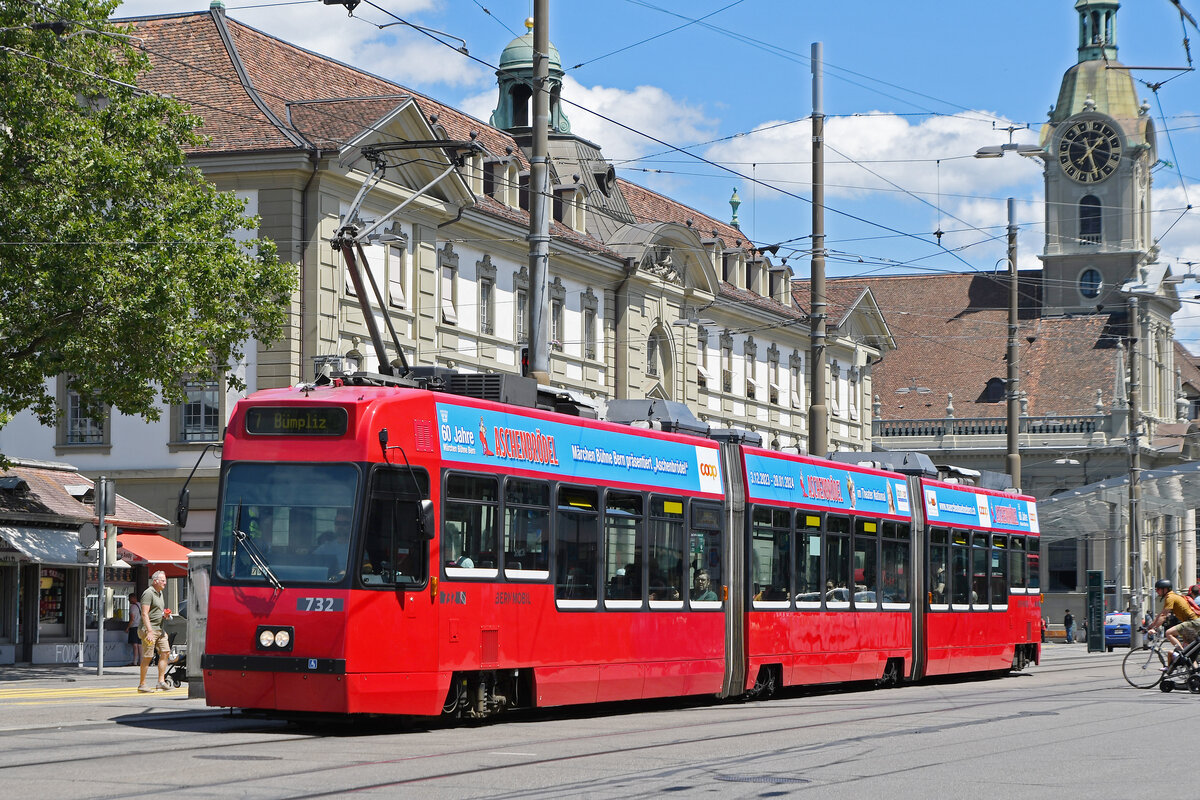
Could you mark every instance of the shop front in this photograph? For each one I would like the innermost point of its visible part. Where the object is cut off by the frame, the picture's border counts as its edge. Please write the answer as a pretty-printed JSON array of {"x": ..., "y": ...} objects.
[{"x": 41, "y": 595}]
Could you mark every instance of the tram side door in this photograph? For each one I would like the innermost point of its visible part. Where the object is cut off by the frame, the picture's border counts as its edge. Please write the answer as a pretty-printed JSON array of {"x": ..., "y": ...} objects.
[
  {"x": 919, "y": 561},
  {"x": 734, "y": 568}
]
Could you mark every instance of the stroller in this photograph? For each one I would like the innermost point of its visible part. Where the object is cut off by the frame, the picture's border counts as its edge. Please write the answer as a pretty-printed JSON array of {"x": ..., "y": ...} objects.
[{"x": 177, "y": 669}]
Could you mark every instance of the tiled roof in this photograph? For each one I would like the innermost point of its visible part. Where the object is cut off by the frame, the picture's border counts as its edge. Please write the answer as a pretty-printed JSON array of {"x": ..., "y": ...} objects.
[
  {"x": 650, "y": 206},
  {"x": 47, "y": 495},
  {"x": 840, "y": 299},
  {"x": 191, "y": 61},
  {"x": 1189, "y": 367},
  {"x": 951, "y": 333}
]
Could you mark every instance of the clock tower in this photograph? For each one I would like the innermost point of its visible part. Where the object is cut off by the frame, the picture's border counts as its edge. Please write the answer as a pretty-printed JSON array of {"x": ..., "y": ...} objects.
[{"x": 1099, "y": 146}]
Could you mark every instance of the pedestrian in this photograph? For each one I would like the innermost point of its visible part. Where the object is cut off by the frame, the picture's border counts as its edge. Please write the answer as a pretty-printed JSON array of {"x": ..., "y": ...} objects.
[
  {"x": 153, "y": 611},
  {"x": 131, "y": 628},
  {"x": 1045, "y": 627},
  {"x": 1069, "y": 624}
]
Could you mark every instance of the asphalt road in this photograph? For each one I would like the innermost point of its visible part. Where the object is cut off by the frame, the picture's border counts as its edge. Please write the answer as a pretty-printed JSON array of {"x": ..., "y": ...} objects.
[{"x": 1070, "y": 727}]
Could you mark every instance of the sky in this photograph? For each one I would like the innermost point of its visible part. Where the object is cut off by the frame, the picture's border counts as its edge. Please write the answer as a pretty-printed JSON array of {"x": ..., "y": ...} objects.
[{"x": 716, "y": 95}]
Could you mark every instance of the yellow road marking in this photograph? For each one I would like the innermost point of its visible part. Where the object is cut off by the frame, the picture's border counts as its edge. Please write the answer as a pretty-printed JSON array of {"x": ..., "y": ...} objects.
[{"x": 74, "y": 692}]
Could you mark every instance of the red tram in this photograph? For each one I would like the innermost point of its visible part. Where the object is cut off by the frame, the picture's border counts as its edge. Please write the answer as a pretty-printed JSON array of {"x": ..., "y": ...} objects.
[{"x": 393, "y": 550}]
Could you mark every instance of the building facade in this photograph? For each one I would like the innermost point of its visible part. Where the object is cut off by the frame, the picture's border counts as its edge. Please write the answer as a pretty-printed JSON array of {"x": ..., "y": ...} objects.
[{"x": 647, "y": 298}]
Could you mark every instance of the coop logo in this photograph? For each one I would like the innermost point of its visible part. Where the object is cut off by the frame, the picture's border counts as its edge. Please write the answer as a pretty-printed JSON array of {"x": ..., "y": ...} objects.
[
  {"x": 985, "y": 513},
  {"x": 709, "y": 469}
]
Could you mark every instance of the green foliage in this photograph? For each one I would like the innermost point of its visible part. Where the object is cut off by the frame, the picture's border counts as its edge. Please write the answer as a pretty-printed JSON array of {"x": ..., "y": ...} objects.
[{"x": 116, "y": 258}]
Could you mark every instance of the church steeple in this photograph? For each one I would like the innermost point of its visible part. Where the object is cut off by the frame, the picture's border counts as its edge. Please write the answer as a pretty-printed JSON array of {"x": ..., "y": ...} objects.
[
  {"x": 1097, "y": 29},
  {"x": 515, "y": 78}
]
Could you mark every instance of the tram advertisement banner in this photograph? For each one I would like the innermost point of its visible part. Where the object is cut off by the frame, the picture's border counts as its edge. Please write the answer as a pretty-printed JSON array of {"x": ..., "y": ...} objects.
[
  {"x": 497, "y": 439},
  {"x": 780, "y": 480},
  {"x": 948, "y": 506}
]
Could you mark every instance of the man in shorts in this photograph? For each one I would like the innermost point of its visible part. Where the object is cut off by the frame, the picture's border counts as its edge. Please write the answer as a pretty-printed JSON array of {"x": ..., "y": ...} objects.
[
  {"x": 154, "y": 638},
  {"x": 1188, "y": 629}
]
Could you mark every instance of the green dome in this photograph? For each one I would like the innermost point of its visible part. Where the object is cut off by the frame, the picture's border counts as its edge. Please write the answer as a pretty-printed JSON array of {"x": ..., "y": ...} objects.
[{"x": 519, "y": 54}]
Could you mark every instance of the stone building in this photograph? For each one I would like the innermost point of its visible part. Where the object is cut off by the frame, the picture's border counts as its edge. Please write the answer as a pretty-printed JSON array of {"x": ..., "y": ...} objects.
[{"x": 647, "y": 297}]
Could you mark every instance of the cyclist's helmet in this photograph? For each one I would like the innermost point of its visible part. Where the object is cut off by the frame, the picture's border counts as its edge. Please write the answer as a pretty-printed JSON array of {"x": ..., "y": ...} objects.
[{"x": 1162, "y": 583}]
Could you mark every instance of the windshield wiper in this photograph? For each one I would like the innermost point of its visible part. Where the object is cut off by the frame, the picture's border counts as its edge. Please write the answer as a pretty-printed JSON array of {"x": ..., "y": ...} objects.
[{"x": 252, "y": 550}]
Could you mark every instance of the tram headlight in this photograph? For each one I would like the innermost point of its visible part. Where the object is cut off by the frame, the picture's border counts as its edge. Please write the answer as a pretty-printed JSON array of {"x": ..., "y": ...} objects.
[{"x": 275, "y": 637}]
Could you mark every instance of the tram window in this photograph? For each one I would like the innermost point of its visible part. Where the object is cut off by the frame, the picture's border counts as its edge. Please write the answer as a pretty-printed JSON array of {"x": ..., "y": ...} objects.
[
  {"x": 895, "y": 549},
  {"x": 866, "y": 561},
  {"x": 1033, "y": 578},
  {"x": 939, "y": 558},
  {"x": 395, "y": 548},
  {"x": 576, "y": 542},
  {"x": 666, "y": 554},
  {"x": 526, "y": 529},
  {"x": 469, "y": 535},
  {"x": 770, "y": 533},
  {"x": 1016, "y": 561},
  {"x": 280, "y": 508},
  {"x": 808, "y": 559},
  {"x": 704, "y": 555},
  {"x": 960, "y": 570},
  {"x": 623, "y": 521},
  {"x": 979, "y": 569},
  {"x": 999, "y": 573},
  {"x": 837, "y": 571}
]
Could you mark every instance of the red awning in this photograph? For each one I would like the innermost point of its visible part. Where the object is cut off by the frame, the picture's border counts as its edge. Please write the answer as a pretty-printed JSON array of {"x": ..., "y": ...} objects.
[{"x": 152, "y": 550}]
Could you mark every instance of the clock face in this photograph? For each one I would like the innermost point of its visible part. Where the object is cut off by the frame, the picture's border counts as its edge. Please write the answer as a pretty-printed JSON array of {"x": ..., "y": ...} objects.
[{"x": 1089, "y": 151}]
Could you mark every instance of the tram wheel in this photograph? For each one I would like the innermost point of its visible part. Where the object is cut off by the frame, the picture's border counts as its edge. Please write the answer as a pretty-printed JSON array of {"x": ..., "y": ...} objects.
[
  {"x": 890, "y": 678},
  {"x": 765, "y": 684}
]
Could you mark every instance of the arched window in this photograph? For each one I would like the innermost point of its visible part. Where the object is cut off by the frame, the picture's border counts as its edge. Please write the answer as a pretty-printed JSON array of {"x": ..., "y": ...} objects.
[
  {"x": 522, "y": 96},
  {"x": 1089, "y": 220}
]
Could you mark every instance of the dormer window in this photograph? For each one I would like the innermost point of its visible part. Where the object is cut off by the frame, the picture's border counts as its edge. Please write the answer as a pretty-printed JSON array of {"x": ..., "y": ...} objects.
[{"x": 994, "y": 391}]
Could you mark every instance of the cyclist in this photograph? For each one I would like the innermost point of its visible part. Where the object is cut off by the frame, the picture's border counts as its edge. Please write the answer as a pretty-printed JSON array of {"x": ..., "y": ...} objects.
[{"x": 1188, "y": 629}]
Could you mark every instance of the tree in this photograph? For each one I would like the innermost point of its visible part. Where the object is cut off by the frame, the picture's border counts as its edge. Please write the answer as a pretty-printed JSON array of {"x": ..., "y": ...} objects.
[{"x": 117, "y": 262}]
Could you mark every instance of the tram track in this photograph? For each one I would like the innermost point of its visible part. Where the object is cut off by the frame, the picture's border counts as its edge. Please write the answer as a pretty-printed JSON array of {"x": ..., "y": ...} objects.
[{"x": 777, "y": 719}]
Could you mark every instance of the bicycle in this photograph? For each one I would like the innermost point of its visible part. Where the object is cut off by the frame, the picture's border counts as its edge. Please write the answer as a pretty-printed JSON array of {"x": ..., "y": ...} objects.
[{"x": 1146, "y": 667}]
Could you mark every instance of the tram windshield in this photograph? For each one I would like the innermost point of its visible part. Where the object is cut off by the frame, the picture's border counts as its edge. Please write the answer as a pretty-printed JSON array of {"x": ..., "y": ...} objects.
[{"x": 298, "y": 520}]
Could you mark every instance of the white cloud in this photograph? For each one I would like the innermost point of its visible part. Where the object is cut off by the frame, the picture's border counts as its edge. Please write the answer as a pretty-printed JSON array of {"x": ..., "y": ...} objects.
[
  {"x": 646, "y": 108},
  {"x": 880, "y": 158}
]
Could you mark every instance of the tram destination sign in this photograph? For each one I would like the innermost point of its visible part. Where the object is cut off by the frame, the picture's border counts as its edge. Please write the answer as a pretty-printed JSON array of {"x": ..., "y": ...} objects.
[{"x": 296, "y": 420}]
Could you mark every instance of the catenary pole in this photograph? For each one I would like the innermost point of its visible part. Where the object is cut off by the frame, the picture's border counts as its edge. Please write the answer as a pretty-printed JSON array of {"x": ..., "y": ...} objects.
[
  {"x": 539, "y": 191},
  {"x": 103, "y": 538},
  {"x": 1014, "y": 375},
  {"x": 1135, "y": 473},
  {"x": 818, "y": 418}
]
